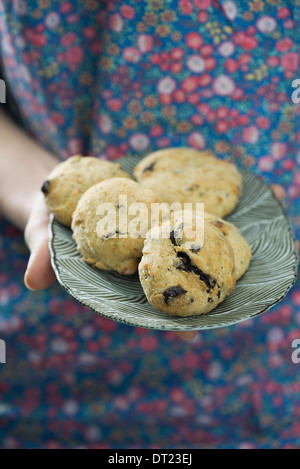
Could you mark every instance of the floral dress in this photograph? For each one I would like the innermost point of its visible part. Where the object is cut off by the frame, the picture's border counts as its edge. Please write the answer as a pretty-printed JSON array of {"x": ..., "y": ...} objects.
[{"x": 111, "y": 78}]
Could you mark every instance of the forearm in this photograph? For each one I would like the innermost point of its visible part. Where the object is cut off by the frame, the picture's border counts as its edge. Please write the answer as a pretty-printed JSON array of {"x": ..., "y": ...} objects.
[{"x": 24, "y": 165}]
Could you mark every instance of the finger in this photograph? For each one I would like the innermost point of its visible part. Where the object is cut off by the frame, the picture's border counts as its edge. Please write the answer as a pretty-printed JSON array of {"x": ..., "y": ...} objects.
[
  {"x": 187, "y": 335},
  {"x": 39, "y": 274},
  {"x": 279, "y": 191}
]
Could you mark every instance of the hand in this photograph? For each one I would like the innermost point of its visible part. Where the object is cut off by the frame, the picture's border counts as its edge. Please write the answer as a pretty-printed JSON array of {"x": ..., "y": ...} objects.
[{"x": 39, "y": 274}]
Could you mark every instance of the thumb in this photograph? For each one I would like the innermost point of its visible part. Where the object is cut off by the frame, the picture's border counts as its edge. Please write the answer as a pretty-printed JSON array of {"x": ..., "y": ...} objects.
[{"x": 39, "y": 274}]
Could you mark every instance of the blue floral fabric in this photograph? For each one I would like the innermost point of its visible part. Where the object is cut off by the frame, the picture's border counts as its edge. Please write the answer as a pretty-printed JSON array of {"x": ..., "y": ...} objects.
[{"x": 111, "y": 78}]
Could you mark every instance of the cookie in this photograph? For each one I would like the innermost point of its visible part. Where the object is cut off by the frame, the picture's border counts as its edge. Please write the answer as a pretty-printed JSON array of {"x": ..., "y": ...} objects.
[
  {"x": 241, "y": 249},
  {"x": 183, "y": 279},
  {"x": 70, "y": 179},
  {"x": 185, "y": 175},
  {"x": 110, "y": 224}
]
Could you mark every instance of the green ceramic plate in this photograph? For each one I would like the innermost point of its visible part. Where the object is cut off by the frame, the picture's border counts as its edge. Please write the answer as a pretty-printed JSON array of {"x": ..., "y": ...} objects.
[{"x": 273, "y": 269}]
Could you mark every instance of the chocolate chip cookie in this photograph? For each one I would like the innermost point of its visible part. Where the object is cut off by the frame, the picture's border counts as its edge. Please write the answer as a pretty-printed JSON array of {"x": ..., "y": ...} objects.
[
  {"x": 70, "y": 179},
  {"x": 183, "y": 278},
  {"x": 110, "y": 224},
  {"x": 184, "y": 175}
]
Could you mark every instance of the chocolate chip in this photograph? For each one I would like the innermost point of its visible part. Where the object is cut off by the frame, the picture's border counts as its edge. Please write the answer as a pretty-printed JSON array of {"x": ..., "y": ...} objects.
[
  {"x": 186, "y": 263},
  {"x": 172, "y": 238},
  {"x": 210, "y": 300},
  {"x": 219, "y": 294},
  {"x": 45, "y": 187},
  {"x": 149, "y": 168},
  {"x": 176, "y": 234},
  {"x": 173, "y": 292},
  {"x": 217, "y": 224},
  {"x": 187, "y": 266}
]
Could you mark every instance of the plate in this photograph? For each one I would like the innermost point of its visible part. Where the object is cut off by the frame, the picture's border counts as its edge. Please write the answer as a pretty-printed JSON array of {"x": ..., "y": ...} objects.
[{"x": 261, "y": 219}]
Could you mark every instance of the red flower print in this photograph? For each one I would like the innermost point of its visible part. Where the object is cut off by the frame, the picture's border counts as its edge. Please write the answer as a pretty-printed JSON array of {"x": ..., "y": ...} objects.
[
  {"x": 207, "y": 50},
  {"x": 114, "y": 104},
  {"x": 127, "y": 11},
  {"x": 185, "y": 7},
  {"x": 68, "y": 39},
  {"x": 196, "y": 119},
  {"x": 202, "y": 17},
  {"x": 231, "y": 65},
  {"x": 273, "y": 61},
  {"x": 202, "y": 4},
  {"x": 194, "y": 98},
  {"x": 179, "y": 96},
  {"x": 156, "y": 131},
  {"x": 74, "y": 55},
  {"x": 194, "y": 40},
  {"x": 66, "y": 7},
  {"x": 176, "y": 68},
  {"x": 177, "y": 53},
  {"x": 204, "y": 80},
  {"x": 222, "y": 127},
  {"x": 290, "y": 63},
  {"x": 210, "y": 63},
  {"x": 285, "y": 44},
  {"x": 263, "y": 122},
  {"x": 165, "y": 98},
  {"x": 190, "y": 84},
  {"x": 89, "y": 32},
  {"x": 283, "y": 13}
]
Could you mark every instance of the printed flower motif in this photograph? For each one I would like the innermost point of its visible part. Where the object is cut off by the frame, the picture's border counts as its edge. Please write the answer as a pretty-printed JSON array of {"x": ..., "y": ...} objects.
[
  {"x": 227, "y": 49},
  {"x": 194, "y": 40},
  {"x": 223, "y": 85},
  {"x": 105, "y": 124},
  {"x": 166, "y": 85},
  {"x": 116, "y": 23},
  {"x": 20, "y": 7},
  {"x": 139, "y": 142},
  {"x": 74, "y": 56},
  {"x": 127, "y": 11},
  {"x": 131, "y": 55},
  {"x": 145, "y": 43},
  {"x": 196, "y": 64},
  {"x": 266, "y": 24},
  {"x": 251, "y": 134},
  {"x": 266, "y": 163},
  {"x": 52, "y": 20},
  {"x": 197, "y": 141},
  {"x": 186, "y": 7},
  {"x": 202, "y": 4},
  {"x": 290, "y": 63},
  {"x": 230, "y": 10},
  {"x": 278, "y": 150}
]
